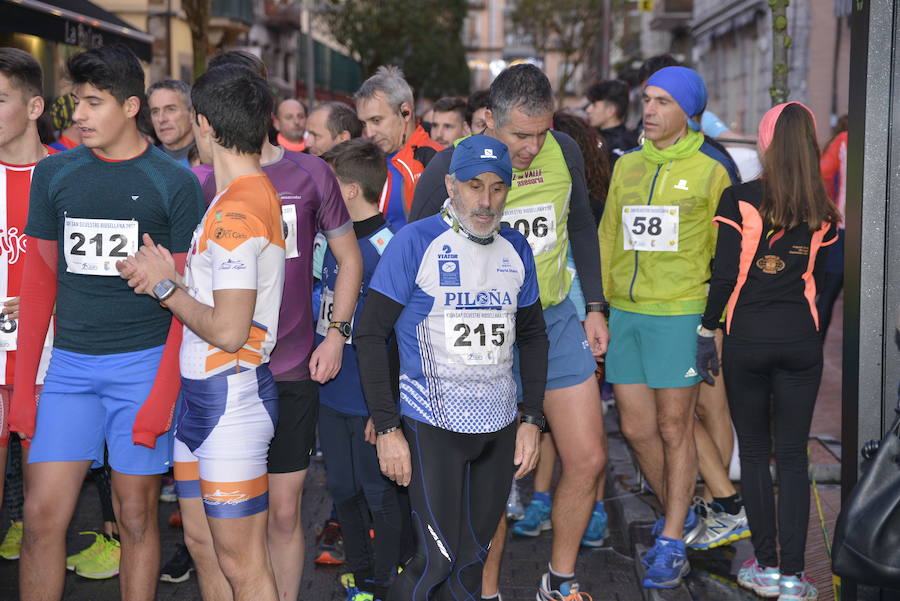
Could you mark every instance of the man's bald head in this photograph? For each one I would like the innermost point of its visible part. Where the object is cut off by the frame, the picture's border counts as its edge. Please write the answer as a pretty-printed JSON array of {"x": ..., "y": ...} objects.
[{"x": 290, "y": 119}]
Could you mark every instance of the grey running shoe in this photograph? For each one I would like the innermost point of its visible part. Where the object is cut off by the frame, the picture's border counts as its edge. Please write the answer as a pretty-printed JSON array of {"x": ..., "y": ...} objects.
[{"x": 720, "y": 527}]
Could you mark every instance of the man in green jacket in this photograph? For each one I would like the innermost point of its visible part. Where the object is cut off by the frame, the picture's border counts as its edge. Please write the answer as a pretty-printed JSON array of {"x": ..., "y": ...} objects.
[{"x": 657, "y": 241}]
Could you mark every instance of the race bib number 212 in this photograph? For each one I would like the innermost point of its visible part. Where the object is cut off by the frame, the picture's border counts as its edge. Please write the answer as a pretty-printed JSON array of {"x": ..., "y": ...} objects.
[{"x": 92, "y": 246}]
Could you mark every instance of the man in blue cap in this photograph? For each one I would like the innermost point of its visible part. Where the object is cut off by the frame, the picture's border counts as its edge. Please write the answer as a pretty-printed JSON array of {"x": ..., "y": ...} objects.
[
  {"x": 458, "y": 291},
  {"x": 657, "y": 241}
]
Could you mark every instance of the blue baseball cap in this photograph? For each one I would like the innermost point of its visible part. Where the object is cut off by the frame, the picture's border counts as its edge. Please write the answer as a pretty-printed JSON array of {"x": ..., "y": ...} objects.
[{"x": 480, "y": 154}]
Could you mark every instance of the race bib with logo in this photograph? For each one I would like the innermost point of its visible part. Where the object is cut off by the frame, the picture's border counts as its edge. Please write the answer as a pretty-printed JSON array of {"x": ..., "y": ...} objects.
[
  {"x": 536, "y": 222},
  {"x": 289, "y": 220},
  {"x": 326, "y": 311},
  {"x": 475, "y": 337},
  {"x": 92, "y": 246},
  {"x": 650, "y": 228},
  {"x": 9, "y": 331}
]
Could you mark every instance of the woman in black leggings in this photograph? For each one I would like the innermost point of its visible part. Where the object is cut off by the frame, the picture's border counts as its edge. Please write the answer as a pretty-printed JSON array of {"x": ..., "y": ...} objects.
[{"x": 773, "y": 235}]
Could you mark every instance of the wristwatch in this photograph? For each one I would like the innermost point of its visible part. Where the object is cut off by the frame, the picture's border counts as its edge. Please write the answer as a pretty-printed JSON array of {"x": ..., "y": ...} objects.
[
  {"x": 540, "y": 422},
  {"x": 701, "y": 330},
  {"x": 341, "y": 326},
  {"x": 597, "y": 307},
  {"x": 164, "y": 289}
]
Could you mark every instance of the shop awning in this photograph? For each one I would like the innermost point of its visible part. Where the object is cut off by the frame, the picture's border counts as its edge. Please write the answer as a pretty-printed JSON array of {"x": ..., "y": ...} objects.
[{"x": 76, "y": 22}]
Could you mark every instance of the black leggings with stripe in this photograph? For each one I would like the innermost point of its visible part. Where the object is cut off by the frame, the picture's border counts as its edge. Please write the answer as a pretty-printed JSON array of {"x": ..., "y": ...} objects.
[
  {"x": 458, "y": 492},
  {"x": 771, "y": 384}
]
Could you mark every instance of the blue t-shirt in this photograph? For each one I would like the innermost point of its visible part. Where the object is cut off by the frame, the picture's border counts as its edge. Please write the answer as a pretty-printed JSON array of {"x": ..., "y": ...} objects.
[
  {"x": 457, "y": 328},
  {"x": 98, "y": 211},
  {"x": 344, "y": 393},
  {"x": 395, "y": 214}
]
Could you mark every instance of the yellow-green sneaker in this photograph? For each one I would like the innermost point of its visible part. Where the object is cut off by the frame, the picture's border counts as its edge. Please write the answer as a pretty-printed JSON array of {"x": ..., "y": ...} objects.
[
  {"x": 104, "y": 564},
  {"x": 88, "y": 552},
  {"x": 12, "y": 542},
  {"x": 347, "y": 581}
]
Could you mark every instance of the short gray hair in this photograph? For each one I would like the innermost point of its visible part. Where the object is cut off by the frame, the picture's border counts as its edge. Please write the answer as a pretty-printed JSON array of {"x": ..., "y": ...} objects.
[
  {"x": 175, "y": 85},
  {"x": 388, "y": 80},
  {"x": 341, "y": 117},
  {"x": 523, "y": 87}
]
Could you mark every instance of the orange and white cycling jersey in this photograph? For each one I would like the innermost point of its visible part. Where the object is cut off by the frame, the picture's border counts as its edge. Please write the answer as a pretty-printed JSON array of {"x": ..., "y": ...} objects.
[{"x": 239, "y": 245}]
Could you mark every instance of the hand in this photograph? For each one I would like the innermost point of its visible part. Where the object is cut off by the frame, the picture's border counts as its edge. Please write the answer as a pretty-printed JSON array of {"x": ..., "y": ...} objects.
[
  {"x": 528, "y": 440},
  {"x": 707, "y": 358},
  {"x": 325, "y": 361},
  {"x": 370, "y": 432},
  {"x": 597, "y": 334},
  {"x": 11, "y": 308},
  {"x": 150, "y": 265},
  {"x": 393, "y": 457}
]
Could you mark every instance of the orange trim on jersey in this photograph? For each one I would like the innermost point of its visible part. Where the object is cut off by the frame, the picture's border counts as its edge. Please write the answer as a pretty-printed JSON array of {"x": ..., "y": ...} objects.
[
  {"x": 809, "y": 290},
  {"x": 256, "y": 338},
  {"x": 292, "y": 146},
  {"x": 248, "y": 357},
  {"x": 725, "y": 220},
  {"x": 219, "y": 359},
  {"x": 751, "y": 234},
  {"x": 105, "y": 160},
  {"x": 234, "y": 492}
]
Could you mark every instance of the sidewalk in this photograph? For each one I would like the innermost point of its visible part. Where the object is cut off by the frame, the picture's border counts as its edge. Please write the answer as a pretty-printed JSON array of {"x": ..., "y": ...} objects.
[{"x": 608, "y": 573}]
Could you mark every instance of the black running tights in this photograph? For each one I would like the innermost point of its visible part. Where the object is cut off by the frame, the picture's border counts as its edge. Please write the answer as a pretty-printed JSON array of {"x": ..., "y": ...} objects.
[
  {"x": 774, "y": 384},
  {"x": 458, "y": 493}
]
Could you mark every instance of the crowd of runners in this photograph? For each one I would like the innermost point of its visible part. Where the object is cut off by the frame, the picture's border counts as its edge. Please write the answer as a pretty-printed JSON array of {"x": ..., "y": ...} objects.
[{"x": 205, "y": 286}]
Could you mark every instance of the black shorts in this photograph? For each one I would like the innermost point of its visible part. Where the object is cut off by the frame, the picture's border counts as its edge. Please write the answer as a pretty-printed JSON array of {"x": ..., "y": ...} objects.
[{"x": 295, "y": 434}]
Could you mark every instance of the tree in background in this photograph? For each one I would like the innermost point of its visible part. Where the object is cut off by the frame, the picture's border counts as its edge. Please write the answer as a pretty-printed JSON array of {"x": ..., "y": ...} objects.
[
  {"x": 422, "y": 37},
  {"x": 569, "y": 27},
  {"x": 197, "y": 13},
  {"x": 781, "y": 42}
]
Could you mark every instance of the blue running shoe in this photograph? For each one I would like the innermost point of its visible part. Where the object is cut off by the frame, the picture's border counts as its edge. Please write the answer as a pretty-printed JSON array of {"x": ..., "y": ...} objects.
[
  {"x": 670, "y": 564},
  {"x": 762, "y": 581},
  {"x": 694, "y": 527},
  {"x": 595, "y": 534},
  {"x": 792, "y": 588},
  {"x": 536, "y": 520}
]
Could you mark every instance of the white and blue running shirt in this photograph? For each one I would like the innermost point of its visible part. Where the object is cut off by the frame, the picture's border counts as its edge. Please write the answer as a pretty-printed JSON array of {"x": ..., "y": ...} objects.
[{"x": 457, "y": 328}]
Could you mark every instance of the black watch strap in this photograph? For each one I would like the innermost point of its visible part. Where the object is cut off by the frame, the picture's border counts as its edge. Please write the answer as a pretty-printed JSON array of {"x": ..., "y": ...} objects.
[{"x": 534, "y": 420}]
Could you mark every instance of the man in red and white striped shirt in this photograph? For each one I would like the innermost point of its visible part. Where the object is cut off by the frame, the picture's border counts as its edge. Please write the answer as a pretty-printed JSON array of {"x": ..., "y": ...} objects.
[{"x": 21, "y": 103}]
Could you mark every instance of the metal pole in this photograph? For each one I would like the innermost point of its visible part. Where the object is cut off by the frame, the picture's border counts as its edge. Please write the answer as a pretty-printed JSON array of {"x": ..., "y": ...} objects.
[
  {"x": 310, "y": 55},
  {"x": 605, "y": 42}
]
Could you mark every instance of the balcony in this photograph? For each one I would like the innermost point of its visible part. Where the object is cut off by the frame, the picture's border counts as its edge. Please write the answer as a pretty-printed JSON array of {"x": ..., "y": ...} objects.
[{"x": 672, "y": 14}]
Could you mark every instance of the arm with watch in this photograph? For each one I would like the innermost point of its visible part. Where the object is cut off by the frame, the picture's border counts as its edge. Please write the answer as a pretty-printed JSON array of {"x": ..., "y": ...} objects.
[{"x": 325, "y": 361}]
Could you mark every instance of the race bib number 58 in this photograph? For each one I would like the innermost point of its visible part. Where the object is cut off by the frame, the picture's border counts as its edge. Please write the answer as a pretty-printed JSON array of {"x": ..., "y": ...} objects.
[
  {"x": 650, "y": 228},
  {"x": 92, "y": 246}
]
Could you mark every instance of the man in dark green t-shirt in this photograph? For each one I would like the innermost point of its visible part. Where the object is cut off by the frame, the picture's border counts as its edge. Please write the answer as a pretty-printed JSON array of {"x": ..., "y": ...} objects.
[{"x": 110, "y": 383}]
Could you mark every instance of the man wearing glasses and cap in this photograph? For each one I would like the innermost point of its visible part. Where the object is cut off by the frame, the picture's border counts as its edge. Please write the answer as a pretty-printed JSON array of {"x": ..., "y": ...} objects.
[{"x": 459, "y": 292}]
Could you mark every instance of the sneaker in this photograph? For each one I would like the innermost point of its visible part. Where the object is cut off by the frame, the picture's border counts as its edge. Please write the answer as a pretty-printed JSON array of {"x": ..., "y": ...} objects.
[
  {"x": 669, "y": 565},
  {"x": 791, "y": 588},
  {"x": 568, "y": 591},
  {"x": 330, "y": 545},
  {"x": 348, "y": 581},
  {"x": 693, "y": 529},
  {"x": 87, "y": 553},
  {"x": 721, "y": 528},
  {"x": 167, "y": 491},
  {"x": 179, "y": 567},
  {"x": 536, "y": 520},
  {"x": 762, "y": 581},
  {"x": 12, "y": 542},
  {"x": 105, "y": 564},
  {"x": 514, "y": 509},
  {"x": 595, "y": 533}
]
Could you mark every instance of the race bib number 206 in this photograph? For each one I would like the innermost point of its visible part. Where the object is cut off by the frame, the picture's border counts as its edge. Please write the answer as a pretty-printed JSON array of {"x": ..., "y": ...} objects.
[
  {"x": 537, "y": 223},
  {"x": 650, "y": 228},
  {"x": 92, "y": 246}
]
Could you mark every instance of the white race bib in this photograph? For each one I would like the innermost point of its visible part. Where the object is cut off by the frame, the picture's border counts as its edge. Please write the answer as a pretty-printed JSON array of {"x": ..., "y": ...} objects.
[
  {"x": 9, "y": 331},
  {"x": 326, "y": 310},
  {"x": 92, "y": 246},
  {"x": 289, "y": 216},
  {"x": 477, "y": 337},
  {"x": 650, "y": 228},
  {"x": 537, "y": 223}
]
